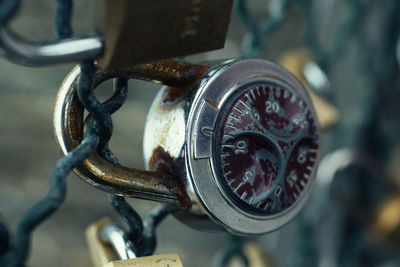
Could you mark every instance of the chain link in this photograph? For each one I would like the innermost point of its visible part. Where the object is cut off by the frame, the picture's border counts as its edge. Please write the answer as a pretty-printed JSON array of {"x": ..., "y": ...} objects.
[
  {"x": 99, "y": 126},
  {"x": 8, "y": 8},
  {"x": 254, "y": 43},
  {"x": 98, "y": 133},
  {"x": 379, "y": 68},
  {"x": 96, "y": 136}
]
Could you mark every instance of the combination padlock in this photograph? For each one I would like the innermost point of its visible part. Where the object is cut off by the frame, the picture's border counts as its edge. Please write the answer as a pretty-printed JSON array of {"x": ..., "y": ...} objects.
[{"x": 235, "y": 145}]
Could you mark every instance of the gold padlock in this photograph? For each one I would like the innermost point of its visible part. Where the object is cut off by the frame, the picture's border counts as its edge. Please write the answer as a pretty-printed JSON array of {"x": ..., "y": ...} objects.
[
  {"x": 104, "y": 255},
  {"x": 101, "y": 253},
  {"x": 393, "y": 166},
  {"x": 129, "y": 32},
  {"x": 255, "y": 255},
  {"x": 386, "y": 221},
  {"x": 163, "y": 260},
  {"x": 145, "y": 30}
]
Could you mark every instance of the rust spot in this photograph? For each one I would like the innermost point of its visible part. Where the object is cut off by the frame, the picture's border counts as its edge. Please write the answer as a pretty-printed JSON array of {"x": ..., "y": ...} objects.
[
  {"x": 114, "y": 178},
  {"x": 161, "y": 162},
  {"x": 74, "y": 115},
  {"x": 174, "y": 94},
  {"x": 175, "y": 70}
]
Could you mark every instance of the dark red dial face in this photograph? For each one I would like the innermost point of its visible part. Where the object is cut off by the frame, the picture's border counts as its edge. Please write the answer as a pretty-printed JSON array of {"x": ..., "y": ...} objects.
[{"x": 265, "y": 147}]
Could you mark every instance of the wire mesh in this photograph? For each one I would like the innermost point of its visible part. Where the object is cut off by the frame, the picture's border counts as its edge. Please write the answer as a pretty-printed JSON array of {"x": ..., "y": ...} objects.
[{"x": 377, "y": 59}]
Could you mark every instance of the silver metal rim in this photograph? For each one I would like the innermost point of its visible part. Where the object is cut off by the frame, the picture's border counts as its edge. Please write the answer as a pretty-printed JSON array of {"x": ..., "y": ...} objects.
[{"x": 203, "y": 179}]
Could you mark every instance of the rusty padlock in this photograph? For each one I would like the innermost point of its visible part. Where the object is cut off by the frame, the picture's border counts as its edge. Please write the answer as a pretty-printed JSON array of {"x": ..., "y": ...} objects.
[{"x": 235, "y": 145}]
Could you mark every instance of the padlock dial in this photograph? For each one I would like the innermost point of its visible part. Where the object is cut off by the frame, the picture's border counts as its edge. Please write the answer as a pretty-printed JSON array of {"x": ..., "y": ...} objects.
[
  {"x": 265, "y": 147},
  {"x": 244, "y": 140}
]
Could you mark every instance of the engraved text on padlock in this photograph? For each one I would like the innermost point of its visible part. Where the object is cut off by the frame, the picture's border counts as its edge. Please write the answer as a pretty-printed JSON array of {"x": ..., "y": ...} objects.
[{"x": 138, "y": 31}]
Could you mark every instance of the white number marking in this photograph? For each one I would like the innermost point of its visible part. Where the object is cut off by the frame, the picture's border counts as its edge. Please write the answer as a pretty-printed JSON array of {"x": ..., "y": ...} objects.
[
  {"x": 302, "y": 157},
  {"x": 298, "y": 118},
  {"x": 256, "y": 115},
  {"x": 292, "y": 178},
  {"x": 241, "y": 147},
  {"x": 247, "y": 175},
  {"x": 271, "y": 107}
]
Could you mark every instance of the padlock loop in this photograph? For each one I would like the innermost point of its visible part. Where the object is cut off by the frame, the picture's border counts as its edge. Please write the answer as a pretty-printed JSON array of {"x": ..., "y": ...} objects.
[
  {"x": 117, "y": 238},
  {"x": 105, "y": 175},
  {"x": 19, "y": 50}
]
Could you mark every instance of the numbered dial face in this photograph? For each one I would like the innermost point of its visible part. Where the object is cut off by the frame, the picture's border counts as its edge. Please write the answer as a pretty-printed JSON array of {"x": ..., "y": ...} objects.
[{"x": 265, "y": 148}]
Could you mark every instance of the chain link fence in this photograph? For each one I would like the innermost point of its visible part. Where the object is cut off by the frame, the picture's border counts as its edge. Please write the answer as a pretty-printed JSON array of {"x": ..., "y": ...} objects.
[{"x": 359, "y": 36}]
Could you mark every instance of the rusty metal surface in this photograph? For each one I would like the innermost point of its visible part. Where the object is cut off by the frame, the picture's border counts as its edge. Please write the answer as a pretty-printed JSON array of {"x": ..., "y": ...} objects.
[
  {"x": 162, "y": 162},
  {"x": 174, "y": 94},
  {"x": 168, "y": 72},
  {"x": 159, "y": 186},
  {"x": 30, "y": 100}
]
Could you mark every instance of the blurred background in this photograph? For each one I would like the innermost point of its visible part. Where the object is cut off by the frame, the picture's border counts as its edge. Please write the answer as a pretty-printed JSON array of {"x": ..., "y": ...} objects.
[{"x": 345, "y": 53}]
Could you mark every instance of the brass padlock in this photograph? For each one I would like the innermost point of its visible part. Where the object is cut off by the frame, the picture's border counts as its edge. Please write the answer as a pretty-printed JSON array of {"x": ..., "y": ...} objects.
[
  {"x": 256, "y": 256},
  {"x": 138, "y": 31},
  {"x": 116, "y": 252},
  {"x": 385, "y": 225},
  {"x": 130, "y": 32},
  {"x": 235, "y": 145},
  {"x": 164, "y": 260}
]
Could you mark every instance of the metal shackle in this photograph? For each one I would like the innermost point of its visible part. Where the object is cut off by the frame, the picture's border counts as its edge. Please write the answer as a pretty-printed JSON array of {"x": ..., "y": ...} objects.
[
  {"x": 117, "y": 238},
  {"x": 43, "y": 53},
  {"x": 112, "y": 178},
  {"x": 23, "y": 51}
]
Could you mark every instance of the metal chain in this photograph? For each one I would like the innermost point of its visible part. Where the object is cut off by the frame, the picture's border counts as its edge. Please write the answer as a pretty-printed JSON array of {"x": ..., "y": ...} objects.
[
  {"x": 378, "y": 65},
  {"x": 96, "y": 137},
  {"x": 8, "y": 8},
  {"x": 255, "y": 42},
  {"x": 142, "y": 236},
  {"x": 99, "y": 127},
  {"x": 328, "y": 57}
]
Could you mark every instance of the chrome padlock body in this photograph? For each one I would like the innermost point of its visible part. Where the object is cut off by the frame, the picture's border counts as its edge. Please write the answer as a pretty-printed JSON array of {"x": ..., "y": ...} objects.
[
  {"x": 234, "y": 145},
  {"x": 186, "y": 132}
]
